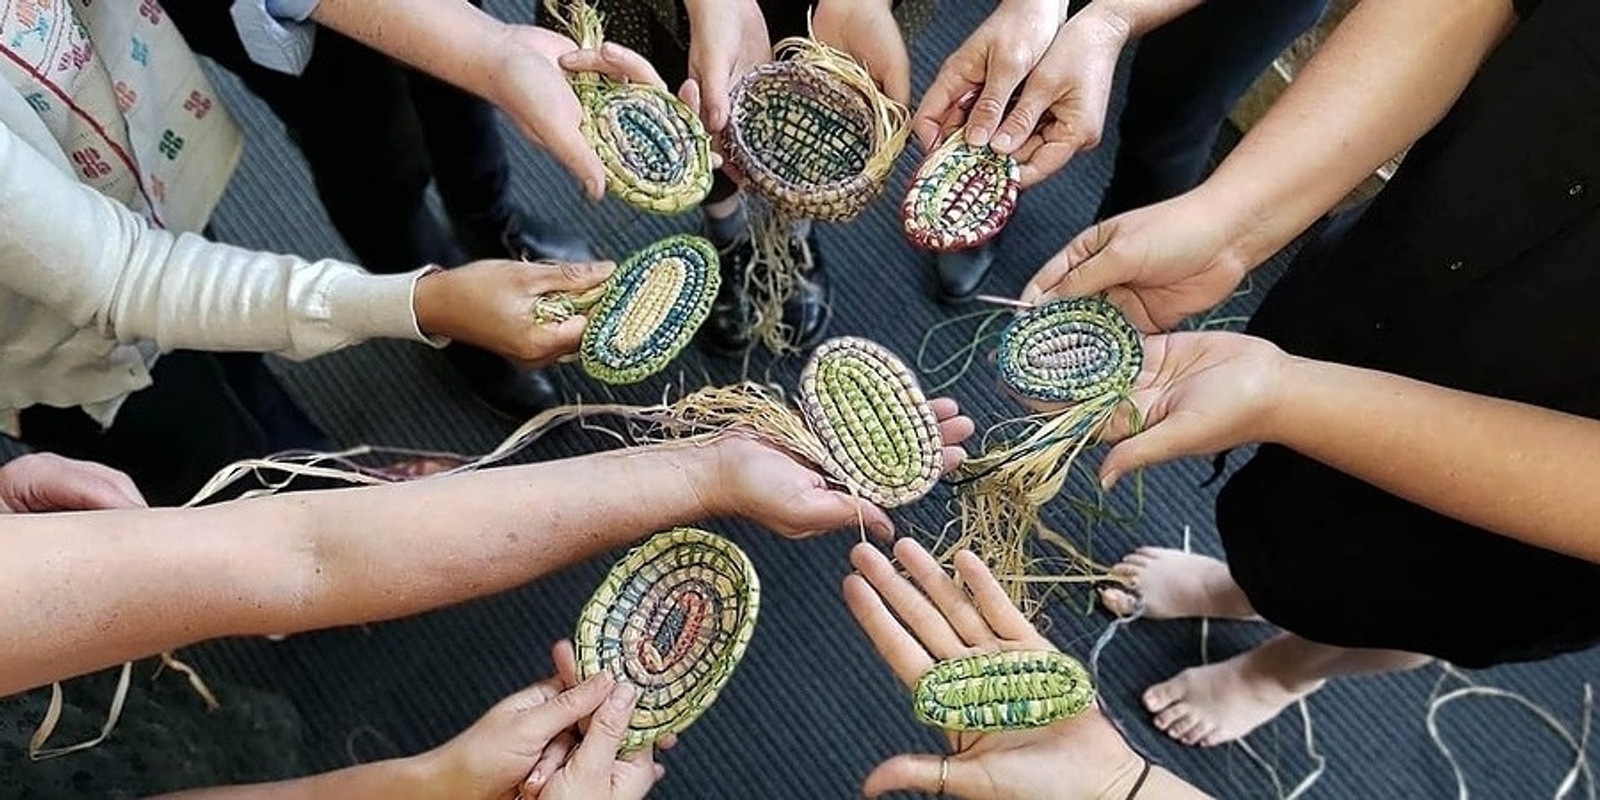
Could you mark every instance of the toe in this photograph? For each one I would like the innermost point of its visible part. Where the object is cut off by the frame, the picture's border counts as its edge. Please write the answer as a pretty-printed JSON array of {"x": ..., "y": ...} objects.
[
  {"x": 1197, "y": 734},
  {"x": 1161, "y": 695},
  {"x": 1174, "y": 718},
  {"x": 1118, "y": 602}
]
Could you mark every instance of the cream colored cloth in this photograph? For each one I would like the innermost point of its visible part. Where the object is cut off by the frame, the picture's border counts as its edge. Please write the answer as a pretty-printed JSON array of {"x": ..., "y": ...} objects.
[{"x": 82, "y": 279}]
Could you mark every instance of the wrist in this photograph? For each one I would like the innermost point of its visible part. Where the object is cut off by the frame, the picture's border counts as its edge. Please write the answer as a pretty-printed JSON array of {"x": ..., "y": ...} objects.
[
  {"x": 1287, "y": 377},
  {"x": 1246, "y": 232},
  {"x": 428, "y": 303},
  {"x": 700, "y": 467}
]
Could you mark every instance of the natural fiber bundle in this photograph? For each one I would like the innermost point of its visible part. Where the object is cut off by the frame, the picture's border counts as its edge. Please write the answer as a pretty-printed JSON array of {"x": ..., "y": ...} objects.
[
  {"x": 812, "y": 134},
  {"x": 1082, "y": 352},
  {"x": 656, "y": 153},
  {"x": 672, "y": 618},
  {"x": 961, "y": 196},
  {"x": 1003, "y": 691},
  {"x": 867, "y": 408},
  {"x": 652, "y": 306}
]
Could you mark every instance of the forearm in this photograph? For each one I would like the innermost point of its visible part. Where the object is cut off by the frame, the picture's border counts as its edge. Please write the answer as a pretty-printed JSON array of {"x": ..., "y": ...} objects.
[
  {"x": 1385, "y": 76},
  {"x": 448, "y": 39},
  {"x": 398, "y": 779},
  {"x": 94, "y": 262},
  {"x": 1515, "y": 469},
  {"x": 105, "y": 587}
]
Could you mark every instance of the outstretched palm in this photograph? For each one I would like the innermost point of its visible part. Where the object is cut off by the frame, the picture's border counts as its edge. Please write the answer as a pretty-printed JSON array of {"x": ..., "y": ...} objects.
[{"x": 932, "y": 617}]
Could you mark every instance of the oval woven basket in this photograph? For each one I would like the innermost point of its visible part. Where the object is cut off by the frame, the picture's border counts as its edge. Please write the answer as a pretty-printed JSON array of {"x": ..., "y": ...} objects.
[
  {"x": 652, "y": 307},
  {"x": 960, "y": 197},
  {"x": 1070, "y": 351},
  {"x": 812, "y": 134},
  {"x": 673, "y": 618},
  {"x": 1003, "y": 691}
]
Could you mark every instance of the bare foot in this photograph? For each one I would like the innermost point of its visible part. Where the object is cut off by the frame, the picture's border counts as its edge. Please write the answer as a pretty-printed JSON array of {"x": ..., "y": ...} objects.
[
  {"x": 1219, "y": 703},
  {"x": 1176, "y": 585}
]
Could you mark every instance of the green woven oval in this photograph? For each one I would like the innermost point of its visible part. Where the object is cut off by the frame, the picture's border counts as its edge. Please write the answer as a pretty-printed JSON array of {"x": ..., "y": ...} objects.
[
  {"x": 653, "y": 305},
  {"x": 1069, "y": 351},
  {"x": 672, "y": 618},
  {"x": 868, "y": 409},
  {"x": 960, "y": 197},
  {"x": 1003, "y": 691},
  {"x": 656, "y": 153}
]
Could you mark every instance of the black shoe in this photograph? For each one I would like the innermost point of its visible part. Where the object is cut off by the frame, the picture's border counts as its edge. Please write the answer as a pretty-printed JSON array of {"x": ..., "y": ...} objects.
[
  {"x": 961, "y": 272},
  {"x": 504, "y": 387},
  {"x": 520, "y": 236},
  {"x": 727, "y": 331}
]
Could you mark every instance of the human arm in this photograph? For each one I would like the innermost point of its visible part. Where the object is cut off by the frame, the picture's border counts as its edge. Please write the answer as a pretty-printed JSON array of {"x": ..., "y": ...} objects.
[
  {"x": 1385, "y": 76},
  {"x": 91, "y": 260},
  {"x": 1511, "y": 468},
  {"x": 927, "y": 616},
  {"x": 493, "y": 759},
  {"x": 106, "y": 587},
  {"x": 512, "y": 66}
]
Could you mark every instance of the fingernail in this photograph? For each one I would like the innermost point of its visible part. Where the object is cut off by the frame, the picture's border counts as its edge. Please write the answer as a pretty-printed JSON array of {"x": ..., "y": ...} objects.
[
  {"x": 536, "y": 777},
  {"x": 597, "y": 189},
  {"x": 1001, "y": 141},
  {"x": 1109, "y": 481},
  {"x": 621, "y": 697}
]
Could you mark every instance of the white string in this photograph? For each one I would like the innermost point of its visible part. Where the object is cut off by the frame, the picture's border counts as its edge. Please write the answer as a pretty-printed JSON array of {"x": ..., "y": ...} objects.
[{"x": 1579, "y": 743}]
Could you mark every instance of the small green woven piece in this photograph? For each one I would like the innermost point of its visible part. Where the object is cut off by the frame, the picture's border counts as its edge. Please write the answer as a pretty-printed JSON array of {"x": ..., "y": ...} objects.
[
  {"x": 656, "y": 152},
  {"x": 672, "y": 618},
  {"x": 812, "y": 134},
  {"x": 1071, "y": 351},
  {"x": 653, "y": 305},
  {"x": 868, "y": 410},
  {"x": 960, "y": 197},
  {"x": 1003, "y": 691}
]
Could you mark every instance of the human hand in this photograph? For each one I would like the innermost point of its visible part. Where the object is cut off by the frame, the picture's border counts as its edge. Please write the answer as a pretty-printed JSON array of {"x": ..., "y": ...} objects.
[
  {"x": 490, "y": 304},
  {"x": 1197, "y": 394},
  {"x": 524, "y": 744},
  {"x": 727, "y": 40},
  {"x": 41, "y": 482},
  {"x": 986, "y": 70},
  {"x": 529, "y": 85},
  {"x": 931, "y": 617},
  {"x": 1061, "y": 110},
  {"x": 1159, "y": 264},
  {"x": 775, "y": 491},
  {"x": 866, "y": 29}
]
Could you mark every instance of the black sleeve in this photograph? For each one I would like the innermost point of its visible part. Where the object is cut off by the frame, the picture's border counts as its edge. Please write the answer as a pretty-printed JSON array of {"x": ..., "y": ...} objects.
[{"x": 1525, "y": 7}]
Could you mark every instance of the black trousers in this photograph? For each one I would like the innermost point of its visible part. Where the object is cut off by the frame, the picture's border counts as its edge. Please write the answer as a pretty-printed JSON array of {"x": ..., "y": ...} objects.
[
  {"x": 205, "y": 411},
  {"x": 1185, "y": 78},
  {"x": 374, "y": 133}
]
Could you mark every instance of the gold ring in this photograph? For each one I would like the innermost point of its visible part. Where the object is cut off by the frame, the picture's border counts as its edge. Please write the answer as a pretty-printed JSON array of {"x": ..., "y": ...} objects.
[{"x": 944, "y": 773}]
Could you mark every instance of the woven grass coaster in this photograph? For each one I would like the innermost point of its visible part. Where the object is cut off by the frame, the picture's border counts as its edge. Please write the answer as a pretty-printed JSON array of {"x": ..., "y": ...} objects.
[
  {"x": 653, "y": 305},
  {"x": 656, "y": 152},
  {"x": 960, "y": 197},
  {"x": 865, "y": 405},
  {"x": 1071, "y": 351},
  {"x": 672, "y": 618},
  {"x": 1003, "y": 691}
]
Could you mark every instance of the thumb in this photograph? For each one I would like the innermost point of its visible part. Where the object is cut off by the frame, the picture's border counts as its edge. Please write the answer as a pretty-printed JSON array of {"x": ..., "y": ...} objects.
[
  {"x": 1174, "y": 437},
  {"x": 572, "y": 705},
  {"x": 918, "y": 773},
  {"x": 562, "y": 137},
  {"x": 606, "y": 731},
  {"x": 1091, "y": 263},
  {"x": 834, "y": 510},
  {"x": 1021, "y": 122},
  {"x": 572, "y": 276}
]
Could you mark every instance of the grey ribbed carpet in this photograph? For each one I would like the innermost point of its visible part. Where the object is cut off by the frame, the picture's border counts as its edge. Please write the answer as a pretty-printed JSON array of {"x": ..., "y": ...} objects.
[{"x": 811, "y": 710}]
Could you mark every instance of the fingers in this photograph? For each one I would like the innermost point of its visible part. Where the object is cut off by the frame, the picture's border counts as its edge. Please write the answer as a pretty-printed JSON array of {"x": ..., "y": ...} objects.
[
  {"x": 607, "y": 727},
  {"x": 568, "y": 276},
  {"x": 1022, "y": 120},
  {"x": 894, "y": 72},
  {"x": 910, "y": 605},
  {"x": 939, "y": 103},
  {"x": 950, "y": 599},
  {"x": 615, "y": 62},
  {"x": 828, "y": 510},
  {"x": 565, "y": 143},
  {"x": 906, "y": 657},
  {"x": 690, "y": 94},
  {"x": 572, "y": 705},
  {"x": 554, "y": 755},
  {"x": 1007, "y": 69},
  {"x": 921, "y": 773},
  {"x": 1089, "y": 264},
  {"x": 636, "y": 775},
  {"x": 1173, "y": 437},
  {"x": 999, "y": 613},
  {"x": 566, "y": 661}
]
